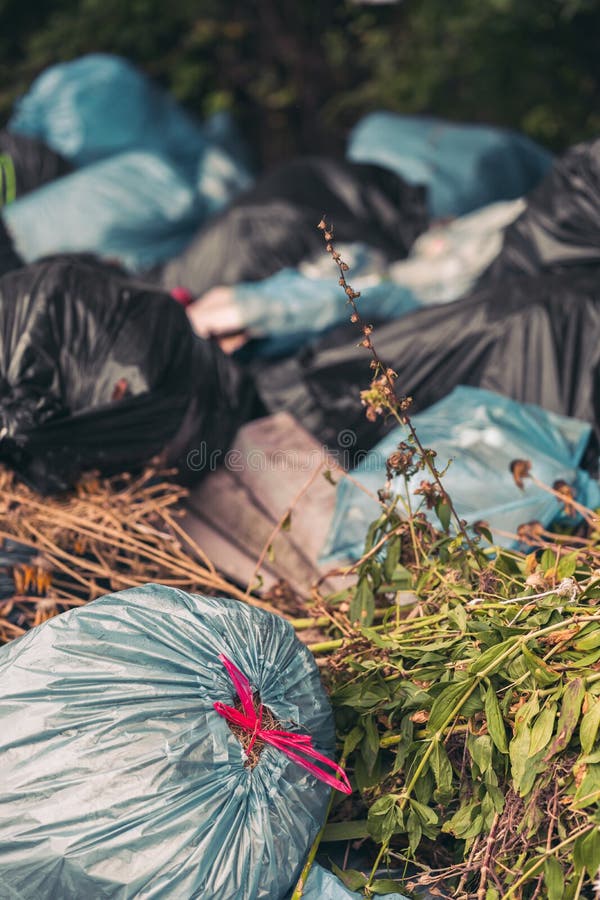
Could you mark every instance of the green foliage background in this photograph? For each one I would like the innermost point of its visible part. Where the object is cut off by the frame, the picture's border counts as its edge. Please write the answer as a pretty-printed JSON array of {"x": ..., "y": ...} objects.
[{"x": 298, "y": 73}]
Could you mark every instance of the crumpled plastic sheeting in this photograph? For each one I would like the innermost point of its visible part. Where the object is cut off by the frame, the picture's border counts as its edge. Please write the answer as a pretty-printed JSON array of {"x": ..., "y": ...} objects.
[
  {"x": 482, "y": 433},
  {"x": 532, "y": 339},
  {"x": 119, "y": 778},
  {"x": 137, "y": 208},
  {"x": 101, "y": 372},
  {"x": 463, "y": 167},
  {"x": 560, "y": 227}
]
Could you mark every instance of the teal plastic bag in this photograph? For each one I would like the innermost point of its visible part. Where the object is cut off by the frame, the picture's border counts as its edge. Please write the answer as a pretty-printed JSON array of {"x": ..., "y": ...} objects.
[
  {"x": 464, "y": 167},
  {"x": 120, "y": 780},
  {"x": 136, "y": 208},
  {"x": 482, "y": 433}
]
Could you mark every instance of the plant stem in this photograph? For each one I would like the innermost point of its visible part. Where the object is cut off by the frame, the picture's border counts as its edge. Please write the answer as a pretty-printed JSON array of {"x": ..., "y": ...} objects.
[{"x": 301, "y": 883}]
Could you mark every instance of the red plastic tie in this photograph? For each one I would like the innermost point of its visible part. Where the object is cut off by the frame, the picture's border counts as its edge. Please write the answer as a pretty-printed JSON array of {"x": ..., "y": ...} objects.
[
  {"x": 182, "y": 295},
  {"x": 288, "y": 742}
]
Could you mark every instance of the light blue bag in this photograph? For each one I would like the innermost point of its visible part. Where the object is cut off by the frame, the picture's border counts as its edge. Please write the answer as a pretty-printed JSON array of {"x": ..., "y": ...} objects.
[
  {"x": 482, "y": 433},
  {"x": 101, "y": 105},
  {"x": 136, "y": 208},
  {"x": 292, "y": 305},
  {"x": 463, "y": 167},
  {"x": 120, "y": 780}
]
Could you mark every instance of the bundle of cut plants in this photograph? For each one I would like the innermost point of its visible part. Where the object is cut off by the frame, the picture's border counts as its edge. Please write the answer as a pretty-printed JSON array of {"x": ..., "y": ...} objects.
[
  {"x": 107, "y": 534},
  {"x": 470, "y": 723}
]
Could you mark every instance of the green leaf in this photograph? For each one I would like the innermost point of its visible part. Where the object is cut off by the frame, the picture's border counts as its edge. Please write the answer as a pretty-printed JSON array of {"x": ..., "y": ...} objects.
[
  {"x": 345, "y": 831},
  {"x": 578, "y": 860},
  {"x": 352, "y": 740},
  {"x": 362, "y": 605},
  {"x": 449, "y": 703},
  {"x": 590, "y": 640},
  {"x": 427, "y": 815},
  {"x": 569, "y": 716},
  {"x": 415, "y": 831},
  {"x": 567, "y": 566},
  {"x": 480, "y": 749},
  {"x": 519, "y": 751},
  {"x": 287, "y": 521},
  {"x": 352, "y": 878},
  {"x": 541, "y": 671},
  {"x": 462, "y": 820},
  {"x": 475, "y": 828},
  {"x": 590, "y": 852},
  {"x": 370, "y": 744},
  {"x": 443, "y": 512},
  {"x": 486, "y": 659},
  {"x": 458, "y": 615},
  {"x": 588, "y": 791},
  {"x": 547, "y": 560},
  {"x": 542, "y": 729},
  {"x": 384, "y": 818},
  {"x": 495, "y": 722},
  {"x": 442, "y": 772},
  {"x": 385, "y": 886},
  {"x": 554, "y": 879},
  {"x": 372, "y": 532},
  {"x": 588, "y": 730},
  {"x": 488, "y": 811},
  {"x": 392, "y": 557},
  {"x": 364, "y": 778}
]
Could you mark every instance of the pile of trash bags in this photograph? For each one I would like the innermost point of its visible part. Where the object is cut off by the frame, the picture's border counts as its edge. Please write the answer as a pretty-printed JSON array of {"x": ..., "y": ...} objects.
[
  {"x": 100, "y": 372},
  {"x": 502, "y": 296},
  {"x": 481, "y": 434}
]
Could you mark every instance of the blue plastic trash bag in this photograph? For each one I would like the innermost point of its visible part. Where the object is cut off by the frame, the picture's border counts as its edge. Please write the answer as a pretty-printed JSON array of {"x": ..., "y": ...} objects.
[
  {"x": 136, "y": 208},
  {"x": 119, "y": 778},
  {"x": 322, "y": 884},
  {"x": 101, "y": 105},
  {"x": 464, "y": 167},
  {"x": 482, "y": 433},
  {"x": 292, "y": 302}
]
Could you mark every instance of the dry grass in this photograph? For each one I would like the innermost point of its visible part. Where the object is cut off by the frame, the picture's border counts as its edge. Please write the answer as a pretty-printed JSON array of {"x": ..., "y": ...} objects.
[{"x": 107, "y": 535}]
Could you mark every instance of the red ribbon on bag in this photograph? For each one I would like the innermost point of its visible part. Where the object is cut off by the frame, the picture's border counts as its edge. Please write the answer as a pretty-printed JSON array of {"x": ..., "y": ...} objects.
[{"x": 287, "y": 741}]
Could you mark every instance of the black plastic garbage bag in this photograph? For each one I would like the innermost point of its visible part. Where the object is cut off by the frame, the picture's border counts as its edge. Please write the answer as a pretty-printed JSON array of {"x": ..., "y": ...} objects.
[
  {"x": 273, "y": 225},
  {"x": 9, "y": 258},
  {"x": 536, "y": 340},
  {"x": 26, "y": 164},
  {"x": 101, "y": 372},
  {"x": 560, "y": 226}
]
